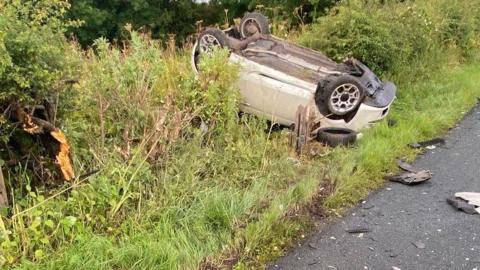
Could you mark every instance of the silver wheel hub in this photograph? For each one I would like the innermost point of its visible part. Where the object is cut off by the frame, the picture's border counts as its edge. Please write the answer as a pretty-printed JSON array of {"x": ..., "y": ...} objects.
[
  {"x": 208, "y": 42},
  {"x": 345, "y": 98}
]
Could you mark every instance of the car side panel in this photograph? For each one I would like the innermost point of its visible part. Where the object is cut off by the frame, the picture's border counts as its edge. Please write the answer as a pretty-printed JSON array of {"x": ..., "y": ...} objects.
[{"x": 270, "y": 93}]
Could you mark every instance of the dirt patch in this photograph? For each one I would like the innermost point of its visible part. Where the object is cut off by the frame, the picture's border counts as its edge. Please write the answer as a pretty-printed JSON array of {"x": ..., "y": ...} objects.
[{"x": 315, "y": 207}]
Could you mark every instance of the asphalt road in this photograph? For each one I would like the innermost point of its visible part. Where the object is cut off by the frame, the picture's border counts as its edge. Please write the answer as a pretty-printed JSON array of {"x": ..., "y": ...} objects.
[{"x": 412, "y": 227}]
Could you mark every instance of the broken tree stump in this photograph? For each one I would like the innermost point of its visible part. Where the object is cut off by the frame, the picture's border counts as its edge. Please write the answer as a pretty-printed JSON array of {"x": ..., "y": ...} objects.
[{"x": 35, "y": 126}]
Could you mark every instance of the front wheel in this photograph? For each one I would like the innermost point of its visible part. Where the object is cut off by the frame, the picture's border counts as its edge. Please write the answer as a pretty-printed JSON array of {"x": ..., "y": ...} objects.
[
  {"x": 343, "y": 94},
  {"x": 207, "y": 41}
]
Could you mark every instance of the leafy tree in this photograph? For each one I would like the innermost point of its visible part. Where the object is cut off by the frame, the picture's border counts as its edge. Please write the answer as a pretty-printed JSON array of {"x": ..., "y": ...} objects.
[
  {"x": 108, "y": 18},
  {"x": 163, "y": 17},
  {"x": 33, "y": 56}
]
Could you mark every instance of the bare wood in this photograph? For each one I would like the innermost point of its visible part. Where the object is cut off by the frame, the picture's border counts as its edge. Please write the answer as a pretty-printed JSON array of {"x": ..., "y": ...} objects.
[{"x": 3, "y": 190}]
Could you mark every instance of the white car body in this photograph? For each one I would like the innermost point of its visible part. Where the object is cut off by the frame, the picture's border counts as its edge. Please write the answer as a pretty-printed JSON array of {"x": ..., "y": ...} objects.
[{"x": 276, "y": 94}]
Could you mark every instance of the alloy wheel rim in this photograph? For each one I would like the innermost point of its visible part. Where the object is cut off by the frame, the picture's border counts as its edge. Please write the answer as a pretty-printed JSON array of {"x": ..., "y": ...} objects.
[
  {"x": 345, "y": 98},
  {"x": 208, "y": 42}
]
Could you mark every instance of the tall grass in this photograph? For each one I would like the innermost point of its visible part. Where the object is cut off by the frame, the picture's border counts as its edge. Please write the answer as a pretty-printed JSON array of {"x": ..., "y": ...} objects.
[{"x": 181, "y": 174}]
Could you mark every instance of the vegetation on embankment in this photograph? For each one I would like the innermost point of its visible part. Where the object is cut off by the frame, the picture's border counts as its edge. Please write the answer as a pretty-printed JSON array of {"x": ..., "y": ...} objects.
[{"x": 183, "y": 180}]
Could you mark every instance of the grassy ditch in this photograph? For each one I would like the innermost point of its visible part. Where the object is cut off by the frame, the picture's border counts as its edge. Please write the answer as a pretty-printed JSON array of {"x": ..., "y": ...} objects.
[
  {"x": 261, "y": 198},
  {"x": 181, "y": 176},
  {"x": 185, "y": 183}
]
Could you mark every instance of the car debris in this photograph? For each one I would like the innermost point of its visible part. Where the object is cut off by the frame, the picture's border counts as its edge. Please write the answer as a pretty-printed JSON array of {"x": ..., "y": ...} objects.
[
  {"x": 418, "y": 244},
  {"x": 406, "y": 166},
  {"x": 462, "y": 205},
  {"x": 359, "y": 230},
  {"x": 468, "y": 202},
  {"x": 410, "y": 175},
  {"x": 277, "y": 77},
  {"x": 410, "y": 178},
  {"x": 471, "y": 197},
  {"x": 428, "y": 144}
]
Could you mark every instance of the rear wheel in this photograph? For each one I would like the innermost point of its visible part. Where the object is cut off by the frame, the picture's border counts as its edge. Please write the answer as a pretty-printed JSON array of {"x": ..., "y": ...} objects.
[
  {"x": 211, "y": 38},
  {"x": 252, "y": 23}
]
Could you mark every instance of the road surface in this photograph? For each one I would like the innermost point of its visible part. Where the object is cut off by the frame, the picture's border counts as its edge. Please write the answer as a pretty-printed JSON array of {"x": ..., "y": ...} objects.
[{"x": 412, "y": 227}]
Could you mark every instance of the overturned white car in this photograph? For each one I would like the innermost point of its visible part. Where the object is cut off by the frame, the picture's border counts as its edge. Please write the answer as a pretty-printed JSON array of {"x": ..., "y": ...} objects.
[{"x": 277, "y": 76}]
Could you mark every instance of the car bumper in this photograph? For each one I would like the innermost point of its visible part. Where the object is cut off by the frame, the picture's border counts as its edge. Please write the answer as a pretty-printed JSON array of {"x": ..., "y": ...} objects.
[{"x": 372, "y": 110}]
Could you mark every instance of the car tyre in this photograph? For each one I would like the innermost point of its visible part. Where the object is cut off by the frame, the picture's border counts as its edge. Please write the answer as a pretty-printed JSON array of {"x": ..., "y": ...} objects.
[
  {"x": 207, "y": 40},
  {"x": 342, "y": 94},
  {"x": 336, "y": 136},
  {"x": 258, "y": 20},
  {"x": 210, "y": 38}
]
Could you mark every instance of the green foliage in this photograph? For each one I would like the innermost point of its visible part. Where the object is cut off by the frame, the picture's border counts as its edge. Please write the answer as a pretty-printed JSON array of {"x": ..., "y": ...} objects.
[
  {"x": 163, "y": 18},
  {"x": 390, "y": 35},
  {"x": 33, "y": 50},
  {"x": 108, "y": 18}
]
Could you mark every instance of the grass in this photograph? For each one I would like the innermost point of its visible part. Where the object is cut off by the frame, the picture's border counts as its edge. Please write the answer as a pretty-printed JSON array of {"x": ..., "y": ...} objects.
[{"x": 215, "y": 224}]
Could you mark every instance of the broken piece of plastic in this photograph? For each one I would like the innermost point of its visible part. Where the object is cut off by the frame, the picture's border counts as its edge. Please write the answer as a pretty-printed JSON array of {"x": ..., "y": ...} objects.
[
  {"x": 462, "y": 205},
  {"x": 470, "y": 197},
  {"x": 406, "y": 166},
  {"x": 411, "y": 178}
]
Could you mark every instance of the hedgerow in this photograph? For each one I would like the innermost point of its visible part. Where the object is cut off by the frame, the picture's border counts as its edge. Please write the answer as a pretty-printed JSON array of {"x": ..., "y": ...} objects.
[{"x": 390, "y": 35}]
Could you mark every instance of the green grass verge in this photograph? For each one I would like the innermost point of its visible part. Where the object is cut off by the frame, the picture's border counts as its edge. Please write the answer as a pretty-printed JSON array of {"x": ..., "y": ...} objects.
[{"x": 219, "y": 223}]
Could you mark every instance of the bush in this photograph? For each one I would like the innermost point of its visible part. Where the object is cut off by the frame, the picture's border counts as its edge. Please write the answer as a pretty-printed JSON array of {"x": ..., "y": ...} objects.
[
  {"x": 390, "y": 35},
  {"x": 34, "y": 53},
  {"x": 35, "y": 57},
  {"x": 162, "y": 92}
]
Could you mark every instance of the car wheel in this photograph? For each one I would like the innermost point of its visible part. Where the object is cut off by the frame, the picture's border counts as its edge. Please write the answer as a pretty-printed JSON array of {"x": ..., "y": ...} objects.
[
  {"x": 336, "y": 136},
  {"x": 343, "y": 94},
  {"x": 206, "y": 42},
  {"x": 254, "y": 22},
  {"x": 211, "y": 38}
]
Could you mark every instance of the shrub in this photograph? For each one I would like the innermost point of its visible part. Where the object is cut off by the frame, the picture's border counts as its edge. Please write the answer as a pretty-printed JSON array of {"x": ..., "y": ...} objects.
[
  {"x": 389, "y": 35},
  {"x": 35, "y": 57},
  {"x": 144, "y": 93}
]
